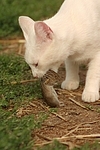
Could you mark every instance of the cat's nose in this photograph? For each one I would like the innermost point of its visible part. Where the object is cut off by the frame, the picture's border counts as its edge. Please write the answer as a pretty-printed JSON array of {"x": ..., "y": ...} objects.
[{"x": 35, "y": 76}]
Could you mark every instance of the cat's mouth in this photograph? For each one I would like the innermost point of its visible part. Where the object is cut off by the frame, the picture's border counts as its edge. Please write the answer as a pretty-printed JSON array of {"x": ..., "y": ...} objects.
[{"x": 38, "y": 75}]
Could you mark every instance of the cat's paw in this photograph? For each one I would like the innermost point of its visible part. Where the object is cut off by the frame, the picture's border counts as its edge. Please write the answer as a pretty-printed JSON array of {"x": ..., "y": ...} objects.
[
  {"x": 70, "y": 85},
  {"x": 88, "y": 96}
]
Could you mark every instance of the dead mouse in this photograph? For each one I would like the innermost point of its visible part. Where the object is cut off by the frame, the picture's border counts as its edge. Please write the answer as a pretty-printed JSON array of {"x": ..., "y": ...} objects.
[{"x": 48, "y": 91}]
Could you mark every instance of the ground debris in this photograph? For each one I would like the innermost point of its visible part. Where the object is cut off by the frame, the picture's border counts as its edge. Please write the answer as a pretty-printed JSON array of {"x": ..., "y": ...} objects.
[{"x": 73, "y": 124}]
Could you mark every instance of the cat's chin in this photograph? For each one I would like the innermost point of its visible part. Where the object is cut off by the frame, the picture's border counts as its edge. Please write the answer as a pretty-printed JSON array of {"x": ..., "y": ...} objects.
[{"x": 38, "y": 75}]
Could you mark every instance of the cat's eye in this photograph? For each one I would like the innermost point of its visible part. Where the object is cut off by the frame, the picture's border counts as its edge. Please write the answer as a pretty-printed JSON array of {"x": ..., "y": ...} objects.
[{"x": 36, "y": 64}]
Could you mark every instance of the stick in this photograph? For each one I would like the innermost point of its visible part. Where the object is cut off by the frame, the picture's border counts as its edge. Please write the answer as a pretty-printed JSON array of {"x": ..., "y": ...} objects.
[
  {"x": 80, "y": 136},
  {"x": 87, "y": 136},
  {"x": 44, "y": 137},
  {"x": 59, "y": 116},
  {"x": 77, "y": 103},
  {"x": 69, "y": 92},
  {"x": 23, "y": 81},
  {"x": 12, "y": 41},
  {"x": 76, "y": 128},
  {"x": 32, "y": 104},
  {"x": 69, "y": 144},
  {"x": 43, "y": 144},
  {"x": 54, "y": 113}
]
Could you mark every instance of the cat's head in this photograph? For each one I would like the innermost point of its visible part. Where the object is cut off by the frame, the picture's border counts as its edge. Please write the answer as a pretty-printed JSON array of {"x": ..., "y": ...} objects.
[{"x": 41, "y": 53}]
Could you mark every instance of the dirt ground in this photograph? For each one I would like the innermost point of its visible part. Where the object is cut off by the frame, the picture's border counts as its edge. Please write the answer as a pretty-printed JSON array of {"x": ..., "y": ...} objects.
[{"x": 73, "y": 124}]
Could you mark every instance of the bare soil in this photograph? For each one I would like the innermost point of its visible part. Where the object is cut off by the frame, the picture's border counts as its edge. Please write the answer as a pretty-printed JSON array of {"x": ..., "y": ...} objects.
[{"x": 72, "y": 124}]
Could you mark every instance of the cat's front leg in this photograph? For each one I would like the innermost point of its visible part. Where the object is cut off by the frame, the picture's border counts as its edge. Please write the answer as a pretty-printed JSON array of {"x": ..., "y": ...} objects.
[
  {"x": 91, "y": 91},
  {"x": 72, "y": 77}
]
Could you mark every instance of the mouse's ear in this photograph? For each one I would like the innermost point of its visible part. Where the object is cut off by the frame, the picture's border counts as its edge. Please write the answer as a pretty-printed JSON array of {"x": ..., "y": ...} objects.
[{"x": 27, "y": 26}]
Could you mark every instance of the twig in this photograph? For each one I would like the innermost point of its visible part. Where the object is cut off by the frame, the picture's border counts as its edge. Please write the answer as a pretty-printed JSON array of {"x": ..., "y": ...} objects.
[
  {"x": 76, "y": 93},
  {"x": 75, "y": 136},
  {"x": 31, "y": 104},
  {"x": 23, "y": 81},
  {"x": 87, "y": 136},
  {"x": 68, "y": 92},
  {"x": 76, "y": 128},
  {"x": 80, "y": 136},
  {"x": 54, "y": 113},
  {"x": 43, "y": 144},
  {"x": 69, "y": 144},
  {"x": 73, "y": 130},
  {"x": 77, "y": 103},
  {"x": 59, "y": 116},
  {"x": 12, "y": 41},
  {"x": 44, "y": 137}
]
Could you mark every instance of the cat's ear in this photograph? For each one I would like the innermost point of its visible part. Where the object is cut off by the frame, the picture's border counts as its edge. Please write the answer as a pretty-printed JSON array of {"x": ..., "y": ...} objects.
[
  {"x": 43, "y": 32},
  {"x": 27, "y": 26}
]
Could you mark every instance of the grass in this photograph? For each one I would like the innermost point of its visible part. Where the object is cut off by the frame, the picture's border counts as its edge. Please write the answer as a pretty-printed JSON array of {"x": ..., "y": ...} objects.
[
  {"x": 13, "y": 68},
  {"x": 16, "y": 133},
  {"x": 13, "y": 131},
  {"x": 54, "y": 146},
  {"x": 11, "y": 10}
]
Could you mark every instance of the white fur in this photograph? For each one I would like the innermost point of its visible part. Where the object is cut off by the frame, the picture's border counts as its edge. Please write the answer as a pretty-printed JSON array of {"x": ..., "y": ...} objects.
[{"x": 72, "y": 35}]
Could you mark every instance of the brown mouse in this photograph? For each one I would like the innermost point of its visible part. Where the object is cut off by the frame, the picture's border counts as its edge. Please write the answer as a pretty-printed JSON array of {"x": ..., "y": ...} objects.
[{"x": 49, "y": 94}]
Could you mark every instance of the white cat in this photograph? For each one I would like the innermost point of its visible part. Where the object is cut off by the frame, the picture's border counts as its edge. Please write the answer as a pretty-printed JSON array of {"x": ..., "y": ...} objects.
[{"x": 71, "y": 35}]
